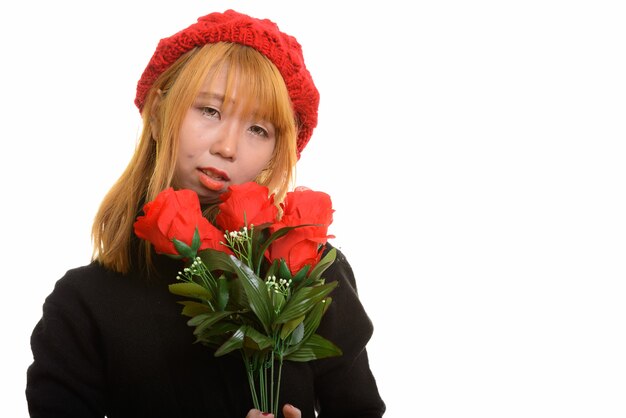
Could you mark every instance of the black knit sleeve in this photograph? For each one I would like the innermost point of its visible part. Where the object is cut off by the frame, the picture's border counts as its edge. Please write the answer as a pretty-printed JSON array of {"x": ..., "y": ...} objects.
[
  {"x": 66, "y": 376},
  {"x": 345, "y": 385}
]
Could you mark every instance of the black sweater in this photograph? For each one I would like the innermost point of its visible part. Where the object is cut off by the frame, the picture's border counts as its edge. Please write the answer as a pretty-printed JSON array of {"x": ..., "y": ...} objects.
[{"x": 117, "y": 346}]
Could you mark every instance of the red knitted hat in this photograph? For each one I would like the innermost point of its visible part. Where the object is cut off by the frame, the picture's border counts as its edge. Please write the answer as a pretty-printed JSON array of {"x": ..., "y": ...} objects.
[{"x": 264, "y": 36}]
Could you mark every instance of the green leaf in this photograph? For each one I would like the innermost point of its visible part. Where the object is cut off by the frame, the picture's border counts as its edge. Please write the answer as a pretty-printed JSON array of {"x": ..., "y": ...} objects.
[
  {"x": 310, "y": 324},
  {"x": 316, "y": 347},
  {"x": 183, "y": 249},
  {"x": 313, "y": 319},
  {"x": 321, "y": 267},
  {"x": 255, "y": 340},
  {"x": 204, "y": 321},
  {"x": 235, "y": 342},
  {"x": 210, "y": 341},
  {"x": 278, "y": 300},
  {"x": 326, "y": 304},
  {"x": 297, "y": 335},
  {"x": 189, "y": 289},
  {"x": 216, "y": 260},
  {"x": 258, "y": 235},
  {"x": 303, "y": 300},
  {"x": 192, "y": 308},
  {"x": 256, "y": 291},
  {"x": 220, "y": 331},
  {"x": 237, "y": 299},
  {"x": 222, "y": 293},
  {"x": 289, "y": 326},
  {"x": 195, "y": 242},
  {"x": 283, "y": 270},
  {"x": 175, "y": 256},
  {"x": 301, "y": 274}
]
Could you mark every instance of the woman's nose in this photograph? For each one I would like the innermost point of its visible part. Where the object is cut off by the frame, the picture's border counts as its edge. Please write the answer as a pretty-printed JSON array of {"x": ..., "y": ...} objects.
[{"x": 226, "y": 143}]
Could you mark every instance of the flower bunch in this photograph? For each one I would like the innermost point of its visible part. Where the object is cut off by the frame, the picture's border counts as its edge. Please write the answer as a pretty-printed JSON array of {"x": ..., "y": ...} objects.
[{"x": 253, "y": 280}]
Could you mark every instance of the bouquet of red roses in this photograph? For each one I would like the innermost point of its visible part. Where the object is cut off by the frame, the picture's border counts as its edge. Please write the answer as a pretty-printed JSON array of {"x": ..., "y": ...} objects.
[{"x": 253, "y": 280}]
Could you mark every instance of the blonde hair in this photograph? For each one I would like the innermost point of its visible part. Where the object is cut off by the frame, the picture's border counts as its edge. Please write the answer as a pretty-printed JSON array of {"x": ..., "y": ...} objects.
[{"x": 151, "y": 168}]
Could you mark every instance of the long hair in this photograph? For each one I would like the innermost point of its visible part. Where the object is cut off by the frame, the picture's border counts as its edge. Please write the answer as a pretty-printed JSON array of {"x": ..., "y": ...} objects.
[{"x": 260, "y": 89}]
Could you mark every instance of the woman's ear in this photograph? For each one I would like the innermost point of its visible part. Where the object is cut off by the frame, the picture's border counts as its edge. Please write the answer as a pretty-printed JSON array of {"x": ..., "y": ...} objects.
[{"x": 154, "y": 115}]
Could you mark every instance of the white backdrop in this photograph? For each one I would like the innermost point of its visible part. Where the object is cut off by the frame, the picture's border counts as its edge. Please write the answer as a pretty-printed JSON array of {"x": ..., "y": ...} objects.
[{"x": 474, "y": 152}]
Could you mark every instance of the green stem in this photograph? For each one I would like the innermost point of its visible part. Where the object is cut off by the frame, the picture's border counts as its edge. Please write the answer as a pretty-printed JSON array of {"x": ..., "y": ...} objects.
[
  {"x": 272, "y": 406},
  {"x": 267, "y": 404},
  {"x": 262, "y": 384},
  {"x": 249, "y": 254},
  {"x": 250, "y": 372},
  {"x": 280, "y": 371}
]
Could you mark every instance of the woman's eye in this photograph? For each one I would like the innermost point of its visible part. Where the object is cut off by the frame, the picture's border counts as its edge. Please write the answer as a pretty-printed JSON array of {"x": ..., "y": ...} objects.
[
  {"x": 210, "y": 112},
  {"x": 257, "y": 130}
]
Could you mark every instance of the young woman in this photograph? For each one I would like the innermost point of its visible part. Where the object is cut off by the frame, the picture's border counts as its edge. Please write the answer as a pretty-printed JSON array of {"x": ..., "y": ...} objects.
[{"x": 225, "y": 101}]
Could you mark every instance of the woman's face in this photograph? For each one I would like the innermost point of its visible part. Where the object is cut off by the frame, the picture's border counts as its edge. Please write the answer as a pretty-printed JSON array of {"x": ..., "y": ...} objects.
[{"x": 220, "y": 147}]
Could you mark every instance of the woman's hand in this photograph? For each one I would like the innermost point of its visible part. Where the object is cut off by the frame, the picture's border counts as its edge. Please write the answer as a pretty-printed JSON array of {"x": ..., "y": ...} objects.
[{"x": 289, "y": 411}]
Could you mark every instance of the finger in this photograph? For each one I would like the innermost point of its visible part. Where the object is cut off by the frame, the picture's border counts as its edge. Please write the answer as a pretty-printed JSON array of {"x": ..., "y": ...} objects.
[
  {"x": 255, "y": 413},
  {"x": 290, "y": 411}
]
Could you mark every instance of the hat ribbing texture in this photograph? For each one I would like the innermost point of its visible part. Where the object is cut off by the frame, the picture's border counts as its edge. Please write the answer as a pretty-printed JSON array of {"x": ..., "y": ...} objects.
[{"x": 261, "y": 34}]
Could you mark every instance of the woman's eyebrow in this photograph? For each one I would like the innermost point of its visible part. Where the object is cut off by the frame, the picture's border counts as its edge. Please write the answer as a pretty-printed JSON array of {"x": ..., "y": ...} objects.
[{"x": 209, "y": 95}]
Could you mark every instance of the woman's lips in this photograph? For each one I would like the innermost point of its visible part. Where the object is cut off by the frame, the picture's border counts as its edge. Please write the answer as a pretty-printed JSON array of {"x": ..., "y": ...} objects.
[{"x": 212, "y": 178}]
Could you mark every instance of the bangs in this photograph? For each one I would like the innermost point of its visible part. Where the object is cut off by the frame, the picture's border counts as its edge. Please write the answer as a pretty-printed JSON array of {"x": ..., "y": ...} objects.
[{"x": 254, "y": 85}]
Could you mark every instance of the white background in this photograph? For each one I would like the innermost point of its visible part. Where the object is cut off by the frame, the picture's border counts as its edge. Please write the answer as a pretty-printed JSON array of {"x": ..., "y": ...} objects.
[{"x": 475, "y": 152}]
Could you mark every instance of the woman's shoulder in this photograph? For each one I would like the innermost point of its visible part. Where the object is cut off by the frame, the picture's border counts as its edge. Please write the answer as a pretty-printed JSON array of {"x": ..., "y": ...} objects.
[
  {"x": 86, "y": 276},
  {"x": 88, "y": 285},
  {"x": 92, "y": 270}
]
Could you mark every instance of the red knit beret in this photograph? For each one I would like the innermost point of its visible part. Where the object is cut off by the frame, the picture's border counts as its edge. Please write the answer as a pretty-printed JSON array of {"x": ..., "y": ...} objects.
[{"x": 264, "y": 36}]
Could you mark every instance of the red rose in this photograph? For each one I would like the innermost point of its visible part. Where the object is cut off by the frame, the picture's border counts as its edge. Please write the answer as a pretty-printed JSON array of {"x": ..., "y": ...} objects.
[
  {"x": 249, "y": 199},
  {"x": 303, "y": 245},
  {"x": 176, "y": 214}
]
